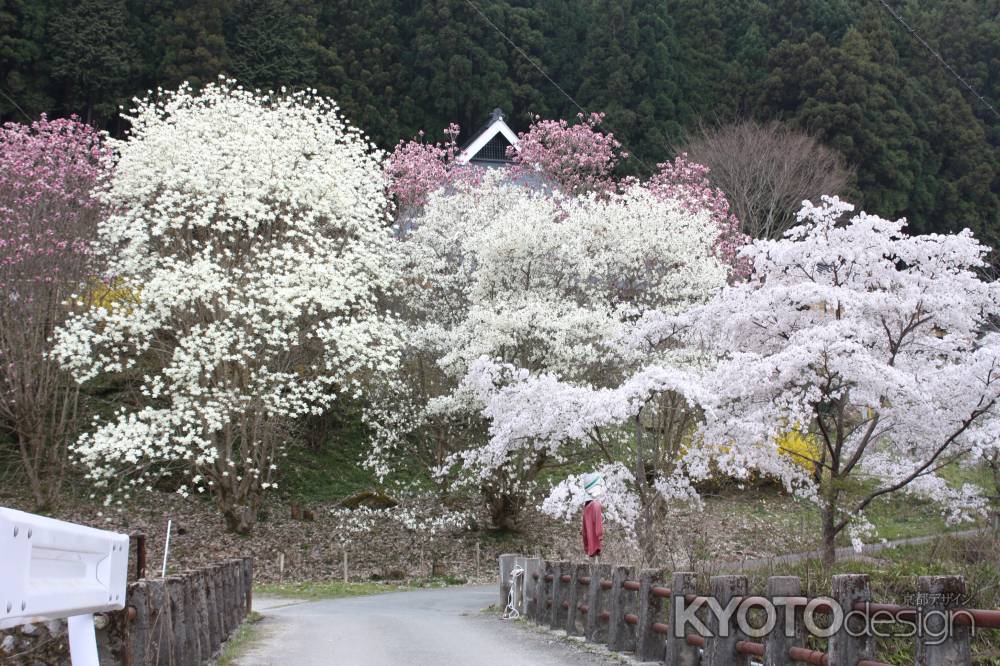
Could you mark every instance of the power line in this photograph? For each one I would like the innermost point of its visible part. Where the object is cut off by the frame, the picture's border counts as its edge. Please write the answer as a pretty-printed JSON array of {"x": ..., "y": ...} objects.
[
  {"x": 543, "y": 73},
  {"x": 937, "y": 55}
]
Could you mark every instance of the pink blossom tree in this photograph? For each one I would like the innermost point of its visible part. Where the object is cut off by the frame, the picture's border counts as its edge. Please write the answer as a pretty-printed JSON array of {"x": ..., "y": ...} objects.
[
  {"x": 576, "y": 159},
  {"x": 417, "y": 167},
  {"x": 687, "y": 182},
  {"x": 48, "y": 171}
]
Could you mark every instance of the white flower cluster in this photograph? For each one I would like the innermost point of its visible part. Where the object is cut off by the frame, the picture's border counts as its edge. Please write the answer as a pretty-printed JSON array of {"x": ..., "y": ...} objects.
[{"x": 250, "y": 229}]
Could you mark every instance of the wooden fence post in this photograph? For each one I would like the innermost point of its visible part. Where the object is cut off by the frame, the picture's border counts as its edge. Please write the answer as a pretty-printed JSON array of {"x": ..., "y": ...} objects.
[
  {"x": 943, "y": 641},
  {"x": 506, "y": 562},
  {"x": 532, "y": 585},
  {"x": 576, "y": 614},
  {"x": 248, "y": 584},
  {"x": 161, "y": 625},
  {"x": 518, "y": 583},
  {"x": 846, "y": 649},
  {"x": 788, "y": 630},
  {"x": 679, "y": 652},
  {"x": 218, "y": 583},
  {"x": 178, "y": 621},
  {"x": 598, "y": 603},
  {"x": 138, "y": 627},
  {"x": 649, "y": 644},
  {"x": 211, "y": 609},
  {"x": 194, "y": 619},
  {"x": 724, "y": 633},
  {"x": 621, "y": 635},
  {"x": 560, "y": 592},
  {"x": 545, "y": 593},
  {"x": 235, "y": 576}
]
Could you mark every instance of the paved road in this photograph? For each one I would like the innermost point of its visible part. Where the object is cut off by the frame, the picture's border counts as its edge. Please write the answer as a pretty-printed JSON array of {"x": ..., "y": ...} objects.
[{"x": 422, "y": 627}]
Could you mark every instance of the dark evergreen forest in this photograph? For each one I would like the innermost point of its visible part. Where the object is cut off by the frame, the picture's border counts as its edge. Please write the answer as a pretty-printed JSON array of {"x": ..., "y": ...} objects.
[{"x": 845, "y": 70}]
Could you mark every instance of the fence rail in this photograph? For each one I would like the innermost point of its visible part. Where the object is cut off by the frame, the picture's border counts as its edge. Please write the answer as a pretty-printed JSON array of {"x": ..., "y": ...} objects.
[
  {"x": 180, "y": 620},
  {"x": 627, "y": 610}
]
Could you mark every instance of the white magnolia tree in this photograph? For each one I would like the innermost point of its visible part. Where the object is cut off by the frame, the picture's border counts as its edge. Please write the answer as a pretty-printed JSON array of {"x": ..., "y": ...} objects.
[
  {"x": 252, "y": 228},
  {"x": 538, "y": 283},
  {"x": 871, "y": 341}
]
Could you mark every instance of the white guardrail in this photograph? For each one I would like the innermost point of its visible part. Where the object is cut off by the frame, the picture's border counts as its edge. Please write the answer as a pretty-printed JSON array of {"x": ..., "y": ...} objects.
[{"x": 51, "y": 569}]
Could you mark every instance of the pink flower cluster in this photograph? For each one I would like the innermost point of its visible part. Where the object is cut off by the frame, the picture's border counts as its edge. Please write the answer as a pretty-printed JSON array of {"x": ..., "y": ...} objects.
[
  {"x": 48, "y": 172},
  {"x": 576, "y": 158},
  {"x": 416, "y": 168},
  {"x": 687, "y": 182}
]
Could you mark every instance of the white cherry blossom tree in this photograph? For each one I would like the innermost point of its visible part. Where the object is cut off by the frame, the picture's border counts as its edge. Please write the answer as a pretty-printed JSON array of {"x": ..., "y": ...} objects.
[
  {"x": 874, "y": 342},
  {"x": 253, "y": 228}
]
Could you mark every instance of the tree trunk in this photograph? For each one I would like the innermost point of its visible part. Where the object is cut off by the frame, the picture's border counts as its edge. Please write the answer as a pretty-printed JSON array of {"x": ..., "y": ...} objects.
[
  {"x": 504, "y": 508},
  {"x": 829, "y": 548},
  {"x": 240, "y": 517}
]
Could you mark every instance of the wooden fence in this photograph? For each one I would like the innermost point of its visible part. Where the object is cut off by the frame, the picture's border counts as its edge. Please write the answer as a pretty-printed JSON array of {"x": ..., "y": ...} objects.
[
  {"x": 629, "y": 611},
  {"x": 180, "y": 620}
]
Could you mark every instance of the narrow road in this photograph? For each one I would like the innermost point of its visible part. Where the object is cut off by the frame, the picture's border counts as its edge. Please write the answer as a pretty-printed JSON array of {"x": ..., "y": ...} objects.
[{"x": 421, "y": 627}]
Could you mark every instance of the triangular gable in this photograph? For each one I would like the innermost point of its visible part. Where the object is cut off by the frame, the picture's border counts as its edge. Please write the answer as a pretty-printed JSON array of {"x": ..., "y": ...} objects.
[{"x": 487, "y": 141}]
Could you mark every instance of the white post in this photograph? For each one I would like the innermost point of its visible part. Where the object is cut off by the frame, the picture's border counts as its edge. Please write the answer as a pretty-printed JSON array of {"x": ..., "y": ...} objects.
[
  {"x": 166, "y": 550},
  {"x": 82, "y": 640}
]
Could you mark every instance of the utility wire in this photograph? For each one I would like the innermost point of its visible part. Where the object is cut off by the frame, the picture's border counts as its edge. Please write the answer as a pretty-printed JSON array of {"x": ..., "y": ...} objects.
[
  {"x": 937, "y": 55},
  {"x": 543, "y": 73}
]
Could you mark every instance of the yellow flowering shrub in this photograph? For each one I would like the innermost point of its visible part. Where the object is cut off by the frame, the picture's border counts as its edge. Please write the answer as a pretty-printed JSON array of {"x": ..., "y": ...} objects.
[{"x": 802, "y": 449}]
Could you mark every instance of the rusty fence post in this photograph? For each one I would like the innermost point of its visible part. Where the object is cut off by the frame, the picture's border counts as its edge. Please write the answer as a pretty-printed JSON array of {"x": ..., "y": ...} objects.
[
  {"x": 598, "y": 603},
  {"x": 788, "y": 630},
  {"x": 560, "y": 591},
  {"x": 724, "y": 633},
  {"x": 679, "y": 651},
  {"x": 942, "y": 642},
  {"x": 140, "y": 555},
  {"x": 532, "y": 585},
  {"x": 847, "y": 648},
  {"x": 650, "y": 645},
  {"x": 621, "y": 632}
]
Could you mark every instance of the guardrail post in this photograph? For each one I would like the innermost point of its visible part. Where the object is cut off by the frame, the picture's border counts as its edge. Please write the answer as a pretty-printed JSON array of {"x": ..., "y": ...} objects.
[
  {"x": 649, "y": 644},
  {"x": 532, "y": 586},
  {"x": 621, "y": 635},
  {"x": 679, "y": 653},
  {"x": 943, "y": 641},
  {"x": 720, "y": 644},
  {"x": 545, "y": 593},
  {"x": 788, "y": 630},
  {"x": 576, "y": 618},
  {"x": 560, "y": 589},
  {"x": 506, "y": 564},
  {"x": 846, "y": 649},
  {"x": 598, "y": 603}
]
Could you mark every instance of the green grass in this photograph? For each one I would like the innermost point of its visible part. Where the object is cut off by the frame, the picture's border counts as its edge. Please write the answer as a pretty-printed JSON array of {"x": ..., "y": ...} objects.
[
  {"x": 335, "y": 470},
  {"x": 240, "y": 641}
]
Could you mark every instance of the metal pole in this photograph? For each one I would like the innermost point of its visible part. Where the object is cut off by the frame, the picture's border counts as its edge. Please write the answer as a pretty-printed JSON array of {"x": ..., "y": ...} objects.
[
  {"x": 82, "y": 640},
  {"x": 166, "y": 549}
]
